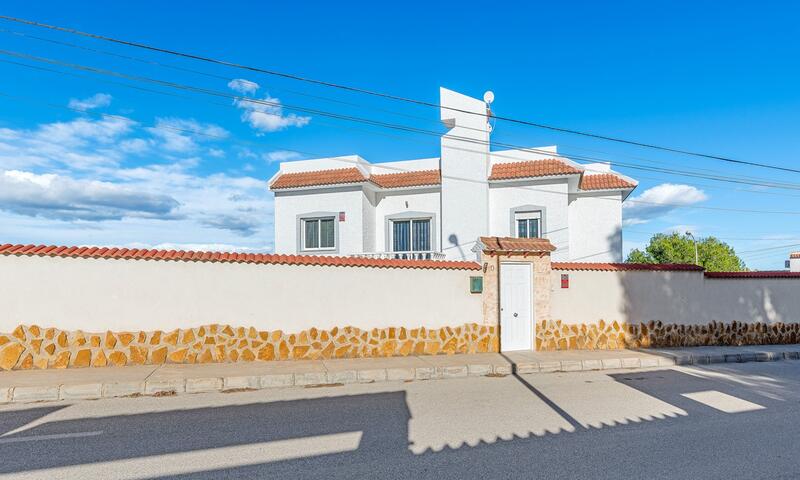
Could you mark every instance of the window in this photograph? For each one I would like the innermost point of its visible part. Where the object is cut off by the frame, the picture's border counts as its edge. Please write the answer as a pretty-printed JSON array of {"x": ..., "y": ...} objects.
[
  {"x": 412, "y": 235},
  {"x": 319, "y": 233},
  {"x": 528, "y": 224}
]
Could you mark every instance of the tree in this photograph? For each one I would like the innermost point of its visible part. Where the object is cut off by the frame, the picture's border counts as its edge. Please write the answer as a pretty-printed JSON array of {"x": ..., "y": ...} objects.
[{"x": 714, "y": 255}]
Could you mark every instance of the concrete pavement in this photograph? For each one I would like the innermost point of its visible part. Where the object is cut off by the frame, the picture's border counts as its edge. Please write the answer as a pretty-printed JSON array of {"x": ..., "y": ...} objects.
[
  {"x": 169, "y": 379},
  {"x": 732, "y": 420}
]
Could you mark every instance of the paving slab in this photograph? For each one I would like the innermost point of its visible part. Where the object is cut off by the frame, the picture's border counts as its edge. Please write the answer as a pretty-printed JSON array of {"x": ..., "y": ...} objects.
[
  {"x": 75, "y": 376},
  {"x": 340, "y": 364},
  {"x": 244, "y": 369},
  {"x": 69, "y": 384}
]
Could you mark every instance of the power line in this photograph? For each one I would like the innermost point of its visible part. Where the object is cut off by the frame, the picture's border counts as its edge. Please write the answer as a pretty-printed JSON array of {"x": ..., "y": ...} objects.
[
  {"x": 408, "y": 129},
  {"x": 779, "y": 247},
  {"x": 399, "y": 169},
  {"x": 272, "y": 87},
  {"x": 206, "y": 74},
  {"x": 389, "y": 96},
  {"x": 755, "y": 239}
]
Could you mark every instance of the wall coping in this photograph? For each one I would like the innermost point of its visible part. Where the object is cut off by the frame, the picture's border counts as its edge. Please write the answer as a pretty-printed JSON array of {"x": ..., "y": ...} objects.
[
  {"x": 617, "y": 267},
  {"x": 228, "y": 257}
]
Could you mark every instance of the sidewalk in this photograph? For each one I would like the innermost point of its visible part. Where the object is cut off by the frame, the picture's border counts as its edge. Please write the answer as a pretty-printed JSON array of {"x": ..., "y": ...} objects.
[{"x": 91, "y": 383}]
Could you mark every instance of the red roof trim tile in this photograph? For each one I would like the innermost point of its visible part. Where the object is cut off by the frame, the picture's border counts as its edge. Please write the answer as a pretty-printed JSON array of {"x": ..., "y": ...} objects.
[
  {"x": 763, "y": 274},
  {"x": 533, "y": 168},
  {"x": 318, "y": 177},
  {"x": 619, "y": 267},
  {"x": 229, "y": 257},
  {"x": 604, "y": 181},
  {"x": 353, "y": 175},
  {"x": 794, "y": 255},
  {"x": 516, "y": 245},
  {"x": 407, "y": 179}
]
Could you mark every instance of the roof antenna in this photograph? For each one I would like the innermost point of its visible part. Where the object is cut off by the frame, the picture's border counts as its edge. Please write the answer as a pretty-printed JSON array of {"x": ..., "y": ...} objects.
[{"x": 488, "y": 97}]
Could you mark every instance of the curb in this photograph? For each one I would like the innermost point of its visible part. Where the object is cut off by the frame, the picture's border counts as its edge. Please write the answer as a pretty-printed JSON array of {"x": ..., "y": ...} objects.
[{"x": 93, "y": 391}]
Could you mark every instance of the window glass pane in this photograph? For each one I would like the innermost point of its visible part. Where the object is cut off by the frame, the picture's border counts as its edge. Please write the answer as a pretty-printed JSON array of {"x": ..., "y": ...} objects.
[
  {"x": 326, "y": 233},
  {"x": 522, "y": 228},
  {"x": 422, "y": 235},
  {"x": 311, "y": 233},
  {"x": 400, "y": 236},
  {"x": 533, "y": 229}
]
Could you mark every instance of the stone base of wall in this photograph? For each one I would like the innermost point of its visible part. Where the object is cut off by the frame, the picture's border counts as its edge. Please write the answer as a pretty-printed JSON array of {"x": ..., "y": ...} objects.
[
  {"x": 553, "y": 335},
  {"x": 31, "y": 346}
]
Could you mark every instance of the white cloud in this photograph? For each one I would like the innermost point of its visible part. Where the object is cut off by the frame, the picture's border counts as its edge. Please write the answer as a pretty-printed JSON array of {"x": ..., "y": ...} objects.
[
  {"x": 182, "y": 135},
  {"x": 658, "y": 201},
  {"x": 202, "y": 247},
  {"x": 82, "y": 143},
  {"x": 266, "y": 115},
  {"x": 216, "y": 153},
  {"x": 98, "y": 100},
  {"x": 243, "y": 86},
  {"x": 82, "y": 182},
  {"x": 281, "y": 156},
  {"x": 64, "y": 198},
  {"x": 134, "y": 145}
]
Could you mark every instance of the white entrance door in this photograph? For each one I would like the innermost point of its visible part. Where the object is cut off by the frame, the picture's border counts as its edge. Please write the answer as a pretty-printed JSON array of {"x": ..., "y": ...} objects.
[{"x": 515, "y": 307}]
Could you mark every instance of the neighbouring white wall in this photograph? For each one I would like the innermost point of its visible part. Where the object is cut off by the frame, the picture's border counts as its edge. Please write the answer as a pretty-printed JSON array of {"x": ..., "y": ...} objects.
[
  {"x": 687, "y": 298},
  {"x": 105, "y": 294},
  {"x": 794, "y": 264},
  {"x": 550, "y": 194},
  {"x": 405, "y": 201},
  {"x": 595, "y": 226},
  {"x": 288, "y": 205}
]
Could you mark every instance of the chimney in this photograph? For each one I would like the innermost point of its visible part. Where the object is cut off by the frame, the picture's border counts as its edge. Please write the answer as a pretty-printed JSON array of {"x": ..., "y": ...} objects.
[{"x": 794, "y": 262}]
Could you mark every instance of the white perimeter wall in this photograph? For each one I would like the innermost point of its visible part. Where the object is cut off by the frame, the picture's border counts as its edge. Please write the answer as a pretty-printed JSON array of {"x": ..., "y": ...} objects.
[
  {"x": 595, "y": 225},
  {"x": 104, "y": 294},
  {"x": 673, "y": 297}
]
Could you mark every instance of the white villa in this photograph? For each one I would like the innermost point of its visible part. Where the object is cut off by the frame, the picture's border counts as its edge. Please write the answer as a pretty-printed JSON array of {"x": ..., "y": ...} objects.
[{"x": 437, "y": 208}]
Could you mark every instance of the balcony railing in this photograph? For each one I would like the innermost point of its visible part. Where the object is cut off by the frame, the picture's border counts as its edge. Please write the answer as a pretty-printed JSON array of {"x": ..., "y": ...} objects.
[{"x": 403, "y": 255}]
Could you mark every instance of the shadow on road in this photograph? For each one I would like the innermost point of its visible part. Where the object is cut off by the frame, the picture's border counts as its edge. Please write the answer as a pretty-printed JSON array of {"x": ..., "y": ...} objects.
[{"x": 636, "y": 449}]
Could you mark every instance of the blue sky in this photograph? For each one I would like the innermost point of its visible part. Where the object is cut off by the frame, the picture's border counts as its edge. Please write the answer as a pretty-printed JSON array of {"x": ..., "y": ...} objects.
[{"x": 704, "y": 76}]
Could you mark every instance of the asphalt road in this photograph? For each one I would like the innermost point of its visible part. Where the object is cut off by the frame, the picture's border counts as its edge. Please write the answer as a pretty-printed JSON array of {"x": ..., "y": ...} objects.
[{"x": 726, "y": 421}]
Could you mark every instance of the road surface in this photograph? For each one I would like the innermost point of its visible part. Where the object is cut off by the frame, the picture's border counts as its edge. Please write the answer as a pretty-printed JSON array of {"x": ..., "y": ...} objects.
[{"x": 725, "y": 421}]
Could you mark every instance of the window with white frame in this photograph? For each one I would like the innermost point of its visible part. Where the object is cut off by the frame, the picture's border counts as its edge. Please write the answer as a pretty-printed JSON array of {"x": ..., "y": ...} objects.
[
  {"x": 411, "y": 235},
  {"x": 528, "y": 224},
  {"x": 319, "y": 233}
]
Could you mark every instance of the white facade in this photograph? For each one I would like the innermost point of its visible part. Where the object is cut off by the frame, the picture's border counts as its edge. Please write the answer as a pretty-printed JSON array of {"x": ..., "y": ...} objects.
[{"x": 438, "y": 207}]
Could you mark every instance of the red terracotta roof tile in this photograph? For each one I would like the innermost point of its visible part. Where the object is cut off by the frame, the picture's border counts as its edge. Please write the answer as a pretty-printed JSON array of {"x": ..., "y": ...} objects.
[
  {"x": 764, "y": 274},
  {"x": 256, "y": 258},
  {"x": 319, "y": 177},
  {"x": 794, "y": 255},
  {"x": 353, "y": 175},
  {"x": 518, "y": 245},
  {"x": 604, "y": 181},
  {"x": 407, "y": 179},
  {"x": 618, "y": 267},
  {"x": 532, "y": 168}
]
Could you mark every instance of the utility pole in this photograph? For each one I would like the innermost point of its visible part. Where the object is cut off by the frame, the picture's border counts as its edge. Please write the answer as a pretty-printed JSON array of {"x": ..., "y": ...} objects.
[{"x": 696, "y": 259}]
